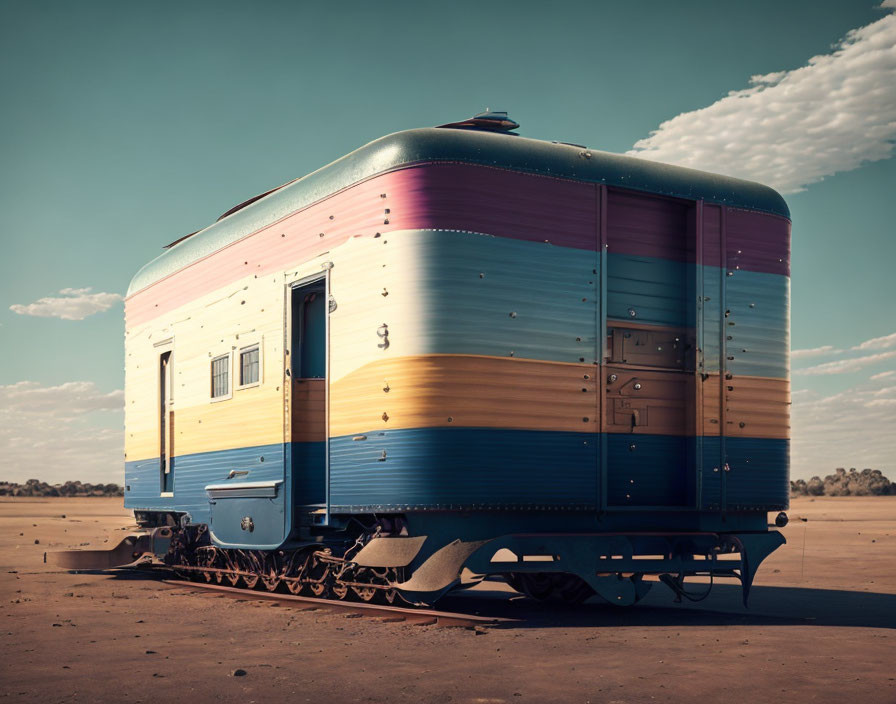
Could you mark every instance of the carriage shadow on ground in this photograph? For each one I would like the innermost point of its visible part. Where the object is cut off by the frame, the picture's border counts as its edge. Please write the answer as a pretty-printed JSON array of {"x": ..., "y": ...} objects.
[{"x": 769, "y": 606}]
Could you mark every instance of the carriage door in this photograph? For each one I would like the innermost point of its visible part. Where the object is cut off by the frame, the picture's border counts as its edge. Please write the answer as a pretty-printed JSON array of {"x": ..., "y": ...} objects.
[
  {"x": 713, "y": 375},
  {"x": 307, "y": 367},
  {"x": 649, "y": 381}
]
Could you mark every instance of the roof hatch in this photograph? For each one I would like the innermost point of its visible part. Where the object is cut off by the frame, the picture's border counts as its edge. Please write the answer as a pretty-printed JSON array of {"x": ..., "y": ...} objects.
[{"x": 489, "y": 121}]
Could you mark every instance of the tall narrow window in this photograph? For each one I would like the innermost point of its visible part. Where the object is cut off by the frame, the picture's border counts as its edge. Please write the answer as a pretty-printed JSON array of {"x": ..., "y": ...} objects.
[
  {"x": 221, "y": 376},
  {"x": 249, "y": 366}
]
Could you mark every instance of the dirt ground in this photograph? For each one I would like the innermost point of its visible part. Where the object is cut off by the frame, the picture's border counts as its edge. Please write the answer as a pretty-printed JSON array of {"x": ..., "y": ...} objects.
[{"x": 821, "y": 627}]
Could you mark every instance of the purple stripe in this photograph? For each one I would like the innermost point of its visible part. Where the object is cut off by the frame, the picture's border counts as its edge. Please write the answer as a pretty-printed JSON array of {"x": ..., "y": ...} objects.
[{"x": 565, "y": 213}]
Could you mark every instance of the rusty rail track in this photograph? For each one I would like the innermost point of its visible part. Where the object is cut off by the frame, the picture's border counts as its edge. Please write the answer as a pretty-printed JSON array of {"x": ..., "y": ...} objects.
[{"x": 414, "y": 616}]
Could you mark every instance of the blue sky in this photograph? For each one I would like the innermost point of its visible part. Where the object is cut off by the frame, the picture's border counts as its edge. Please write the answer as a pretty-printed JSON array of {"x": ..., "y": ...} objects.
[{"x": 124, "y": 126}]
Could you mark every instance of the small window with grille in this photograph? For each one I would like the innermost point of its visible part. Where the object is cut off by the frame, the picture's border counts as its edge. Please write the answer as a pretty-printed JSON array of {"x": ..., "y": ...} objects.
[
  {"x": 250, "y": 366},
  {"x": 221, "y": 377}
]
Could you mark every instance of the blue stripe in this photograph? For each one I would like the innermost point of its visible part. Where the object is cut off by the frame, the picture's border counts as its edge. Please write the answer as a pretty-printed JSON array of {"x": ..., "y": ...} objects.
[
  {"x": 454, "y": 468},
  {"x": 192, "y": 473},
  {"x": 477, "y": 467},
  {"x": 503, "y": 297}
]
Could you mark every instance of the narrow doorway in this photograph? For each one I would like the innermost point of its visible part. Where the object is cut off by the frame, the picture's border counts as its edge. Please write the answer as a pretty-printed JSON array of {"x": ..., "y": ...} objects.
[
  {"x": 308, "y": 373},
  {"x": 166, "y": 421}
]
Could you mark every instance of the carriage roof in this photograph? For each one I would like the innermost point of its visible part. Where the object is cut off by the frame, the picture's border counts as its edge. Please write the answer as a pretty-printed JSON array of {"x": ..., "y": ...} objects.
[{"x": 428, "y": 145}]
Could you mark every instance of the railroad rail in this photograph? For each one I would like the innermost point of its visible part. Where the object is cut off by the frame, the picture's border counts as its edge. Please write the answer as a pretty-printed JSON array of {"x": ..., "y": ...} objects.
[{"x": 387, "y": 613}]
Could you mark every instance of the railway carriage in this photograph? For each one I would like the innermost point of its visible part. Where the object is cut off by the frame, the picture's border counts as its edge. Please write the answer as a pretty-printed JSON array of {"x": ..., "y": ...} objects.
[{"x": 457, "y": 353}]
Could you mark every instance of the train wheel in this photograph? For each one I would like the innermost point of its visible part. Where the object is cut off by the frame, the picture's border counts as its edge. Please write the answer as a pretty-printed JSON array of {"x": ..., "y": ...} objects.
[
  {"x": 295, "y": 587},
  {"x": 538, "y": 585},
  {"x": 340, "y": 591},
  {"x": 366, "y": 593},
  {"x": 207, "y": 558},
  {"x": 271, "y": 582},
  {"x": 572, "y": 589}
]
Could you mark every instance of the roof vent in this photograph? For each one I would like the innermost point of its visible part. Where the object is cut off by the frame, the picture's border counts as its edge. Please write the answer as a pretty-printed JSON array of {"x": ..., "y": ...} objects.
[{"x": 488, "y": 121}]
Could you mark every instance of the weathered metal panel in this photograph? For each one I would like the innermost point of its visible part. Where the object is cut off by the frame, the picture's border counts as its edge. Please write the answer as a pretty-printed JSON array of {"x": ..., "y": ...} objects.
[
  {"x": 649, "y": 470},
  {"x": 443, "y": 468},
  {"x": 758, "y": 324},
  {"x": 649, "y": 290},
  {"x": 192, "y": 473},
  {"x": 758, "y": 475},
  {"x": 465, "y": 391},
  {"x": 641, "y": 226},
  {"x": 648, "y": 402},
  {"x": 757, "y": 242},
  {"x": 492, "y": 296}
]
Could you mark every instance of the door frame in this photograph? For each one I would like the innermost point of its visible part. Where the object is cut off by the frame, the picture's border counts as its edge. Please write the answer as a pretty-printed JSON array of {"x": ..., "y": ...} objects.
[
  {"x": 289, "y": 292},
  {"x": 166, "y": 406}
]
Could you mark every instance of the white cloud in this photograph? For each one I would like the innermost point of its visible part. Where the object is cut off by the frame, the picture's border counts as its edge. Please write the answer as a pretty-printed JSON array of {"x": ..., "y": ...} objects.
[
  {"x": 847, "y": 429},
  {"x": 883, "y": 375},
  {"x": 844, "y": 366},
  {"x": 793, "y": 128},
  {"x": 56, "y": 433},
  {"x": 878, "y": 343},
  {"x": 815, "y": 351},
  {"x": 74, "y": 304}
]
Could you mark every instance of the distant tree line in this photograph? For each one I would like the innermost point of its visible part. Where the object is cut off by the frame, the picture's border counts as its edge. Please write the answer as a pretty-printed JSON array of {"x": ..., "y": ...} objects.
[
  {"x": 35, "y": 487},
  {"x": 868, "y": 482}
]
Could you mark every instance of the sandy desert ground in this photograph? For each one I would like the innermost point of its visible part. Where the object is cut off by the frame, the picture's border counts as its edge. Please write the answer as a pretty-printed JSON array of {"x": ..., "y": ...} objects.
[{"x": 821, "y": 627}]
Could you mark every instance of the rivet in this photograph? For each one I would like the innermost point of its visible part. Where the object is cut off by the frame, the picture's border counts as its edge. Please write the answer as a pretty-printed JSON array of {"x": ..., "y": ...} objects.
[
  {"x": 512, "y": 314},
  {"x": 637, "y": 386},
  {"x": 585, "y": 420},
  {"x": 320, "y": 234},
  {"x": 385, "y": 416},
  {"x": 631, "y": 448},
  {"x": 632, "y": 313},
  {"x": 612, "y": 378},
  {"x": 332, "y": 217}
]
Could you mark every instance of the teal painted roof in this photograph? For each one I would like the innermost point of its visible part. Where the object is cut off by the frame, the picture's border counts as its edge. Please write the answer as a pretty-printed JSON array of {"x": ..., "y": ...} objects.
[{"x": 469, "y": 146}]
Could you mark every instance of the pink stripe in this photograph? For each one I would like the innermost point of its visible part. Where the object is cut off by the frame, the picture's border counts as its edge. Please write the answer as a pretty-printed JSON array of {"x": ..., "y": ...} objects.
[
  {"x": 444, "y": 196},
  {"x": 479, "y": 199}
]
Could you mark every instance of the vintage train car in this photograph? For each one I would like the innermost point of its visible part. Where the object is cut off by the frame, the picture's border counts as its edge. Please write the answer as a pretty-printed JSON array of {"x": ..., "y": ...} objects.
[{"x": 457, "y": 352}]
